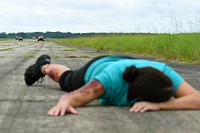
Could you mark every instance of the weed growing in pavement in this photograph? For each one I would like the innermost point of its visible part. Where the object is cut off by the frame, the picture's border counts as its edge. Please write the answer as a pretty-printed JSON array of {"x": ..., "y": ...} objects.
[
  {"x": 69, "y": 49},
  {"x": 28, "y": 56},
  {"x": 7, "y": 49},
  {"x": 56, "y": 56}
]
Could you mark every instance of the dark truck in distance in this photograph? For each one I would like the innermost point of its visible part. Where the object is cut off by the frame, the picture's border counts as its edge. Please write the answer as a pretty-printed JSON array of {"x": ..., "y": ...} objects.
[
  {"x": 40, "y": 38},
  {"x": 19, "y": 38}
]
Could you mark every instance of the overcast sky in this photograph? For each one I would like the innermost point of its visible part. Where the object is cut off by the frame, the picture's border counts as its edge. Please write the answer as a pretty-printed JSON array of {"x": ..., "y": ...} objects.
[{"x": 83, "y": 16}]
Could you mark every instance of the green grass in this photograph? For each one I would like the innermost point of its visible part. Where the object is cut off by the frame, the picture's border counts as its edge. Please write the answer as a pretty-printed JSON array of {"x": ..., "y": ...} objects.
[
  {"x": 56, "y": 56},
  {"x": 7, "y": 40},
  {"x": 28, "y": 56},
  {"x": 74, "y": 56},
  {"x": 68, "y": 49},
  {"x": 71, "y": 56},
  {"x": 7, "y": 49},
  {"x": 177, "y": 47},
  {"x": 4, "y": 39}
]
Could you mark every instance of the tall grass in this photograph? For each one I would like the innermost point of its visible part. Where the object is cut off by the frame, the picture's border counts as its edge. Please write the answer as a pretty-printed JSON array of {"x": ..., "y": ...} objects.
[{"x": 178, "y": 47}]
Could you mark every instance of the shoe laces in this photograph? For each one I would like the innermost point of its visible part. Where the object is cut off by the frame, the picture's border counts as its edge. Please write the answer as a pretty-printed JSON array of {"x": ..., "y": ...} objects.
[{"x": 40, "y": 80}]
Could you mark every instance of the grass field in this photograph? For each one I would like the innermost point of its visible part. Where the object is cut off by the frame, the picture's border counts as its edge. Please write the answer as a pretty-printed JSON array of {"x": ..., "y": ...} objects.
[{"x": 177, "y": 47}]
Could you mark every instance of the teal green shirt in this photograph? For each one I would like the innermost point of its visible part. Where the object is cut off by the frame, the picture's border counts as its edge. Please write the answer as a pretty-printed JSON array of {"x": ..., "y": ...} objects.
[{"x": 109, "y": 70}]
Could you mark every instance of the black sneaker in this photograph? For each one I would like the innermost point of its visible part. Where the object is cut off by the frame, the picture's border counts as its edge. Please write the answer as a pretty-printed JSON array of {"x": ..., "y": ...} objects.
[{"x": 33, "y": 72}]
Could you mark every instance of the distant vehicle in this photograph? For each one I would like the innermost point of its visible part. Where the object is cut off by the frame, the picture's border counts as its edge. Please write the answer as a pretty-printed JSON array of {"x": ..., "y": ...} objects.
[
  {"x": 40, "y": 38},
  {"x": 19, "y": 38}
]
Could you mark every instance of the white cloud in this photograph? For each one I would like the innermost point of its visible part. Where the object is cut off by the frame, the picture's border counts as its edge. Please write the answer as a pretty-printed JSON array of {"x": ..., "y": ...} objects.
[{"x": 99, "y": 15}]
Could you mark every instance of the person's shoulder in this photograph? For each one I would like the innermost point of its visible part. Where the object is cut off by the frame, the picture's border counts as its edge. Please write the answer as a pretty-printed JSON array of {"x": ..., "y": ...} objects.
[{"x": 145, "y": 61}]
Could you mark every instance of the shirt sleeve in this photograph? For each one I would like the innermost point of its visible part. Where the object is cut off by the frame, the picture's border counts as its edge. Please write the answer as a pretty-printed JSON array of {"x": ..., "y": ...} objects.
[
  {"x": 176, "y": 78},
  {"x": 103, "y": 78},
  {"x": 110, "y": 78}
]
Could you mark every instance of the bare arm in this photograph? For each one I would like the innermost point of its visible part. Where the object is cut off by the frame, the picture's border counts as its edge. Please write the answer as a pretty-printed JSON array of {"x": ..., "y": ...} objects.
[
  {"x": 186, "y": 98},
  {"x": 89, "y": 92}
]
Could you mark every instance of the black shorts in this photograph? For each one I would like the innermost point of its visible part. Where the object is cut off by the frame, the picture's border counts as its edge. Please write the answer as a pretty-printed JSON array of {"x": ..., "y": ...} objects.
[{"x": 74, "y": 79}]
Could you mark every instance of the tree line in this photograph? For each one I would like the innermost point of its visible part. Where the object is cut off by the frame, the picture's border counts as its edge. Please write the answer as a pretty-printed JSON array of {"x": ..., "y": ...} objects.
[
  {"x": 47, "y": 34},
  {"x": 58, "y": 34}
]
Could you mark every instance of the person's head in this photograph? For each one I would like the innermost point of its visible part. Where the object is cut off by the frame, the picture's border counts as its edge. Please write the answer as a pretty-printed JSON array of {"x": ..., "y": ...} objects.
[{"x": 148, "y": 84}]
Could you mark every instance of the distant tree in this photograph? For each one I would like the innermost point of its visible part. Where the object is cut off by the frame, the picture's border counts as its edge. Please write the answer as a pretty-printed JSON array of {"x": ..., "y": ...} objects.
[
  {"x": 3, "y": 35},
  {"x": 22, "y": 34}
]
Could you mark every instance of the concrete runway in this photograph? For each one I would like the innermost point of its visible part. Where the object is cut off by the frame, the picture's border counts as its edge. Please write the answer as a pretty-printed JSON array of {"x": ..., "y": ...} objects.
[{"x": 24, "y": 109}]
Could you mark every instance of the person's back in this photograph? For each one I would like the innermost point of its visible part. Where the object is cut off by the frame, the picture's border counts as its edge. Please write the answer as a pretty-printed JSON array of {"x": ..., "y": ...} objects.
[{"x": 109, "y": 71}]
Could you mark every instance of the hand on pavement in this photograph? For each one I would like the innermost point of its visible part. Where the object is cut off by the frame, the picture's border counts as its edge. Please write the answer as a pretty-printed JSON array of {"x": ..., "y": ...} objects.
[
  {"x": 61, "y": 109},
  {"x": 144, "y": 106}
]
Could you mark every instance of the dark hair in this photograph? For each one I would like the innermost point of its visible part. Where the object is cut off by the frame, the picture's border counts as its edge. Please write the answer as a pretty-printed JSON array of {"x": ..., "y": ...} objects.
[{"x": 148, "y": 83}]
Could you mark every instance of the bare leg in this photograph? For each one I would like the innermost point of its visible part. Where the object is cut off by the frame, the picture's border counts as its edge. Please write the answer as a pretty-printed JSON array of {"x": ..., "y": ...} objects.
[{"x": 54, "y": 71}]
